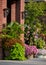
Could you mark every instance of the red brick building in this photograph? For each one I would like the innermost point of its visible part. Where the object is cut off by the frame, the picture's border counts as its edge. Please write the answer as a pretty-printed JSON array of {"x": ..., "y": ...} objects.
[{"x": 11, "y": 10}]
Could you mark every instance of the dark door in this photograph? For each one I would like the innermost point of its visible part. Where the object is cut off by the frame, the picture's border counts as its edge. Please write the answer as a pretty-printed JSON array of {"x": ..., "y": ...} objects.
[{"x": 9, "y": 14}]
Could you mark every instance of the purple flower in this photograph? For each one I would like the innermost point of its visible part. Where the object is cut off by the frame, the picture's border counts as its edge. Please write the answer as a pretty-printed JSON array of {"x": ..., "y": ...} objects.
[
  {"x": 30, "y": 50},
  {"x": 27, "y": 50},
  {"x": 34, "y": 49}
]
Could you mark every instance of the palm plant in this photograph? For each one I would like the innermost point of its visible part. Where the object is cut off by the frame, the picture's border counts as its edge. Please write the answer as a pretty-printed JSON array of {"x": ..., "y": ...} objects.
[
  {"x": 11, "y": 35},
  {"x": 13, "y": 30}
]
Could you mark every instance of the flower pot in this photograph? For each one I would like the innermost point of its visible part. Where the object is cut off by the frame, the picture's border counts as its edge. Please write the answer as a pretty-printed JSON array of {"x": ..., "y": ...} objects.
[{"x": 30, "y": 56}]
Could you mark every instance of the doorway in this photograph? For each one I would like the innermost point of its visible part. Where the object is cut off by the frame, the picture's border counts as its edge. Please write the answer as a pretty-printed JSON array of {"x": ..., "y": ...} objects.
[{"x": 9, "y": 14}]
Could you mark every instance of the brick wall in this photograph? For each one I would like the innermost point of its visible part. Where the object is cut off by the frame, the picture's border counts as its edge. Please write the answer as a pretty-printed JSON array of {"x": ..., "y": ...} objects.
[
  {"x": 0, "y": 15},
  {"x": 16, "y": 13},
  {"x": 3, "y": 4},
  {"x": 22, "y": 20},
  {"x": 17, "y": 7},
  {"x": 0, "y": 27},
  {"x": 13, "y": 11}
]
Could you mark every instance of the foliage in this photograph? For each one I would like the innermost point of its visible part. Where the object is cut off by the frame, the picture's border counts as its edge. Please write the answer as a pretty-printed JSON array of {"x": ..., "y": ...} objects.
[
  {"x": 32, "y": 21},
  {"x": 43, "y": 28},
  {"x": 11, "y": 34},
  {"x": 30, "y": 32},
  {"x": 29, "y": 50},
  {"x": 13, "y": 30},
  {"x": 34, "y": 10},
  {"x": 43, "y": 20},
  {"x": 10, "y": 42},
  {"x": 17, "y": 52},
  {"x": 39, "y": 43},
  {"x": 10, "y": 37}
]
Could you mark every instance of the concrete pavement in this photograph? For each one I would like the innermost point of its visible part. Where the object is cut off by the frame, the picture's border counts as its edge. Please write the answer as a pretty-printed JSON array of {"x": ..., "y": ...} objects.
[{"x": 36, "y": 61}]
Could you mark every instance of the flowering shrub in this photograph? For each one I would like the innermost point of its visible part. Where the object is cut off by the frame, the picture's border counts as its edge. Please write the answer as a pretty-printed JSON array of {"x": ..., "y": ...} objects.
[
  {"x": 27, "y": 50},
  {"x": 34, "y": 50},
  {"x": 30, "y": 50}
]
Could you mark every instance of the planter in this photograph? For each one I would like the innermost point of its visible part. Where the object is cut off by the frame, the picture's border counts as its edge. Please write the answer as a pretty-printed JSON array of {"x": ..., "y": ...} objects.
[
  {"x": 30, "y": 56},
  {"x": 41, "y": 54},
  {"x": 42, "y": 51},
  {"x": 6, "y": 53}
]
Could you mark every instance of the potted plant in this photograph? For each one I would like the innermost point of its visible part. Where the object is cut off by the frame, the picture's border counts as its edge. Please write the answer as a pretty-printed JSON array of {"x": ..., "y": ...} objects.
[
  {"x": 30, "y": 51},
  {"x": 11, "y": 35}
]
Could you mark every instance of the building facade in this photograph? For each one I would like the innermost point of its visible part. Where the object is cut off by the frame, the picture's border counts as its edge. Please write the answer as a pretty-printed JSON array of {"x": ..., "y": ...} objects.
[{"x": 10, "y": 11}]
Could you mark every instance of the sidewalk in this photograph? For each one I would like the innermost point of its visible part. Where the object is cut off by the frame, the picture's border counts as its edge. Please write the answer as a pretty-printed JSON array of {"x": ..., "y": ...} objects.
[{"x": 36, "y": 61}]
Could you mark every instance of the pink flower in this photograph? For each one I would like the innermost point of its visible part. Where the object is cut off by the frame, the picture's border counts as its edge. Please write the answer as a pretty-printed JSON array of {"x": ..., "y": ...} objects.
[{"x": 30, "y": 50}]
